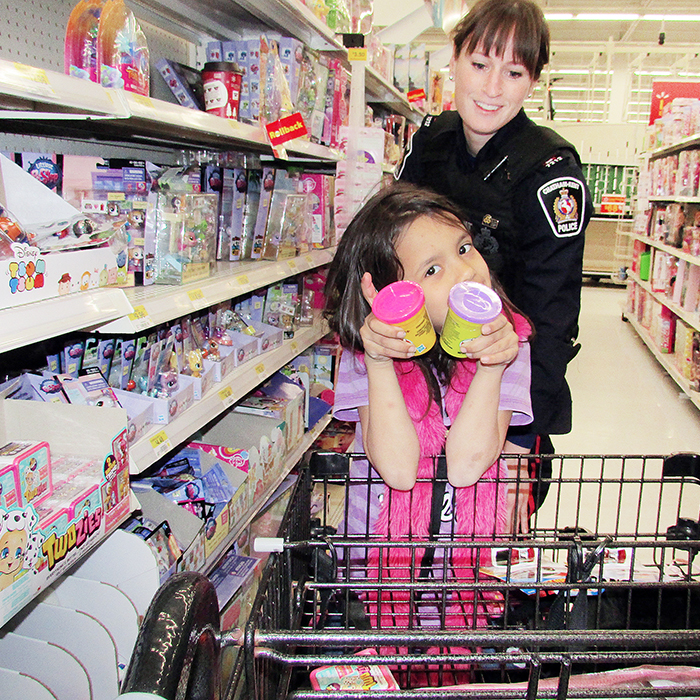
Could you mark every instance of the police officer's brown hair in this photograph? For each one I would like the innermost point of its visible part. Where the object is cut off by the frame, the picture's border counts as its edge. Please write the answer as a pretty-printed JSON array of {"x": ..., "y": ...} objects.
[{"x": 490, "y": 23}]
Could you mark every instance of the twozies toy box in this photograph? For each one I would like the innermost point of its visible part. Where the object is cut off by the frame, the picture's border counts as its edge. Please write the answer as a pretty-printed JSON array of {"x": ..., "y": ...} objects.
[{"x": 30, "y": 464}]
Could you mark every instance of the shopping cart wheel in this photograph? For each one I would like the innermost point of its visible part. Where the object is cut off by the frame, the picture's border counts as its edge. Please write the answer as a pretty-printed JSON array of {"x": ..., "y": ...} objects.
[{"x": 177, "y": 650}]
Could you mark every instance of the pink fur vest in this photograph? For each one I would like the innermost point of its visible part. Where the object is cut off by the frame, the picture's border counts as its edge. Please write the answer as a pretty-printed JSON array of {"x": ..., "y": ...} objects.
[{"x": 405, "y": 516}]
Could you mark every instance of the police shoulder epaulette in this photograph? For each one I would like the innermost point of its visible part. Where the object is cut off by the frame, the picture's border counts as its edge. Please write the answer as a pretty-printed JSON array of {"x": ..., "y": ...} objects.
[{"x": 552, "y": 160}]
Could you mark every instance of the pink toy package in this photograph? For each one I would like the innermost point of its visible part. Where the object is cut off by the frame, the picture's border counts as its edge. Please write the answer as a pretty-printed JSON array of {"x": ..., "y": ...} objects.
[
  {"x": 354, "y": 677},
  {"x": 236, "y": 458},
  {"x": 29, "y": 462}
]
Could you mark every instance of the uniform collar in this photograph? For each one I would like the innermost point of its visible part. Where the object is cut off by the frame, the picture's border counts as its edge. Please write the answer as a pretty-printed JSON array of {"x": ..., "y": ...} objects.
[{"x": 495, "y": 148}]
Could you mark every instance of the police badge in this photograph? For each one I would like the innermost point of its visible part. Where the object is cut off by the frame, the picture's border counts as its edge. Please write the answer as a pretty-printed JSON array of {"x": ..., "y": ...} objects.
[{"x": 563, "y": 202}]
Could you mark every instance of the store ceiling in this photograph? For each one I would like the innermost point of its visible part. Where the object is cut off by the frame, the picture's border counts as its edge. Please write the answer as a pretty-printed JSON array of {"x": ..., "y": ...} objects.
[{"x": 649, "y": 40}]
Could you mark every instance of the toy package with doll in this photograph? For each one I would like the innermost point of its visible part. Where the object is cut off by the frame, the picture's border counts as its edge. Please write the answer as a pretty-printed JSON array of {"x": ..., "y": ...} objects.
[
  {"x": 181, "y": 236},
  {"x": 287, "y": 231}
]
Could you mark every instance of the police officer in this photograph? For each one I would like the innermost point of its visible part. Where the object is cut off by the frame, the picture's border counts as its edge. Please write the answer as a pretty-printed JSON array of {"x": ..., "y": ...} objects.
[{"x": 522, "y": 188}]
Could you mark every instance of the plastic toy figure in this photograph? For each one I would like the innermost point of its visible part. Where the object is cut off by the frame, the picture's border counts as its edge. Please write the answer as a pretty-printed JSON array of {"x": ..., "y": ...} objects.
[{"x": 195, "y": 362}]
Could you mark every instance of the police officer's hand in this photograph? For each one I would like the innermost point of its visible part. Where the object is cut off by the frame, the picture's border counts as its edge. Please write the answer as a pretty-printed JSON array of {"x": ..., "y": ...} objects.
[
  {"x": 382, "y": 342},
  {"x": 497, "y": 344}
]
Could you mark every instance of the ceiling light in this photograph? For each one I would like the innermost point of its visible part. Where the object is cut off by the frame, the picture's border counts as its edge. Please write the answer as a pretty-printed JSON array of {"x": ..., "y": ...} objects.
[
  {"x": 670, "y": 18},
  {"x": 554, "y": 16},
  {"x": 606, "y": 17}
]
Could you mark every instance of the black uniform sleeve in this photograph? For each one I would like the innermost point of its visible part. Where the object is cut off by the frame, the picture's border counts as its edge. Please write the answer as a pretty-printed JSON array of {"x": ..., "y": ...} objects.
[{"x": 552, "y": 209}]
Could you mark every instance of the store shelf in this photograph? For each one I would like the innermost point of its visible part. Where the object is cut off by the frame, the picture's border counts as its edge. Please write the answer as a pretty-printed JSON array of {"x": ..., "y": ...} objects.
[
  {"x": 30, "y": 323},
  {"x": 157, "y": 304},
  {"x": 676, "y": 252},
  {"x": 39, "y": 100},
  {"x": 292, "y": 459},
  {"x": 379, "y": 90},
  {"x": 214, "y": 18},
  {"x": 665, "y": 361},
  {"x": 28, "y": 93},
  {"x": 289, "y": 18},
  {"x": 161, "y": 439},
  {"x": 674, "y": 198},
  {"x": 691, "y": 319},
  {"x": 688, "y": 142}
]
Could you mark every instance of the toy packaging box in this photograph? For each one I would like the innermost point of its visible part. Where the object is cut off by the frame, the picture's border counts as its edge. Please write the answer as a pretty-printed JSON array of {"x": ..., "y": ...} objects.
[
  {"x": 354, "y": 677},
  {"x": 29, "y": 463},
  {"x": 197, "y": 534},
  {"x": 180, "y": 237},
  {"x": 51, "y": 536},
  {"x": 232, "y": 573},
  {"x": 32, "y": 276},
  {"x": 279, "y": 397},
  {"x": 261, "y": 437}
]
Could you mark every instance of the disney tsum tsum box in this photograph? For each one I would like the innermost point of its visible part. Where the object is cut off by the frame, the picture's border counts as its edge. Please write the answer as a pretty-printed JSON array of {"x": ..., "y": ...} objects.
[
  {"x": 45, "y": 221},
  {"x": 31, "y": 275},
  {"x": 44, "y": 540}
]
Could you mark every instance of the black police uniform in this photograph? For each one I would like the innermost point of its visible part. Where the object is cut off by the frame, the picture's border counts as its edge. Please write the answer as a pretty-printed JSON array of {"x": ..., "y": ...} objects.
[{"x": 525, "y": 194}]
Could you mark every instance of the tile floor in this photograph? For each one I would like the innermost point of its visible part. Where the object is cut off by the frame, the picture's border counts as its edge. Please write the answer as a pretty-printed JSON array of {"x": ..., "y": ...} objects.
[{"x": 624, "y": 402}]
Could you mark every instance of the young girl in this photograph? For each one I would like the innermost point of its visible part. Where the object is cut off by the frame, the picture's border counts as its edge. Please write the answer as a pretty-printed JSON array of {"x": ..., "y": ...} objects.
[{"x": 410, "y": 410}]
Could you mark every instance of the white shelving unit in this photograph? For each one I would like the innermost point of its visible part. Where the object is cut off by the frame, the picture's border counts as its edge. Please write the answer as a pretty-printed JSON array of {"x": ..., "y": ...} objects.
[
  {"x": 161, "y": 439},
  {"x": 40, "y": 105},
  {"x": 690, "y": 317}
]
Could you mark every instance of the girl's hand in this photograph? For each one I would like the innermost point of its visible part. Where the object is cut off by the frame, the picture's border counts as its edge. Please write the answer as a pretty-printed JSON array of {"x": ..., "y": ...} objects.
[
  {"x": 497, "y": 345},
  {"x": 382, "y": 342}
]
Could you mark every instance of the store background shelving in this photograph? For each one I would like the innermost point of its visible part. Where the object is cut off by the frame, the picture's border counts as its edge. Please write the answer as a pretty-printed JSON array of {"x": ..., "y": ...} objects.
[{"x": 646, "y": 202}]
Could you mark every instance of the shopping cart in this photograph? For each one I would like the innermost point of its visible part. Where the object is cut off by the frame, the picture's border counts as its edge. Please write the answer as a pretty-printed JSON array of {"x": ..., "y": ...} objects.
[{"x": 601, "y": 598}]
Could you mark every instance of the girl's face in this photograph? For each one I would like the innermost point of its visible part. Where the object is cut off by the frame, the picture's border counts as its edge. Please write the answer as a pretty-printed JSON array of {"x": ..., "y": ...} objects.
[
  {"x": 437, "y": 255},
  {"x": 489, "y": 92}
]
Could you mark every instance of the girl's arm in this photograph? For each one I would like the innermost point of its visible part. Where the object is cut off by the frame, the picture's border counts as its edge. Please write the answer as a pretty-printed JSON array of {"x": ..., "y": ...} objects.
[
  {"x": 389, "y": 437},
  {"x": 478, "y": 433}
]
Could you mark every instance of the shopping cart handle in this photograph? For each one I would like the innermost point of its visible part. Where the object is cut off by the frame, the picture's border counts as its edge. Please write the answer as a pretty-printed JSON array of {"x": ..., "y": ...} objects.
[{"x": 268, "y": 544}]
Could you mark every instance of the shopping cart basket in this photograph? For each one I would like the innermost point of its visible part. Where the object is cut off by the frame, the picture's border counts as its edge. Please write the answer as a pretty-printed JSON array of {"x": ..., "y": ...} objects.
[{"x": 601, "y": 598}]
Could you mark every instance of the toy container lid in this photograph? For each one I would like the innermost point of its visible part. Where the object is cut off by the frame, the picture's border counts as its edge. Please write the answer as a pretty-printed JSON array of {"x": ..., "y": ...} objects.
[
  {"x": 475, "y": 302},
  {"x": 398, "y": 301}
]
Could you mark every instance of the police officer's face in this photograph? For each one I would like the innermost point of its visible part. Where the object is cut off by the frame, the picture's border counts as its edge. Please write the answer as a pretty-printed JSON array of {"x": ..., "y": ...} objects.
[
  {"x": 489, "y": 92},
  {"x": 437, "y": 255}
]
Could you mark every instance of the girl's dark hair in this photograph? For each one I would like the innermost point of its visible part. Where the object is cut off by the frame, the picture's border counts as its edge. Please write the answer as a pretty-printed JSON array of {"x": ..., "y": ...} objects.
[
  {"x": 490, "y": 23},
  {"x": 368, "y": 245}
]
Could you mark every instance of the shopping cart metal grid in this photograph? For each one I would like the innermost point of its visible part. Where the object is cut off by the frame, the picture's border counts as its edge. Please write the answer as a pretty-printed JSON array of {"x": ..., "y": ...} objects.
[{"x": 605, "y": 582}]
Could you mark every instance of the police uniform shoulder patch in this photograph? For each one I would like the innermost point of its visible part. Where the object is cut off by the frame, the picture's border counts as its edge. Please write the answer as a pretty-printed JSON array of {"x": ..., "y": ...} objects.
[
  {"x": 563, "y": 201},
  {"x": 427, "y": 120}
]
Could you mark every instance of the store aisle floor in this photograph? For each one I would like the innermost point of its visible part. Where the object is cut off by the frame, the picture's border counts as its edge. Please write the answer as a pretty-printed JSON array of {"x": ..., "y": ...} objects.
[{"x": 624, "y": 402}]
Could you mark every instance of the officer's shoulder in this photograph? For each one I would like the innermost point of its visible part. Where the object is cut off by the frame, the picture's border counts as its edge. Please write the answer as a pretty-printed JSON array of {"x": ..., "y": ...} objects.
[
  {"x": 562, "y": 160},
  {"x": 437, "y": 123}
]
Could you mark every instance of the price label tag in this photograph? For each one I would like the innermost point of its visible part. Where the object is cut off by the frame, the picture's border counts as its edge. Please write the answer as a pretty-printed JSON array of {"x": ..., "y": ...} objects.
[
  {"x": 196, "y": 295},
  {"x": 116, "y": 196},
  {"x": 29, "y": 78},
  {"x": 143, "y": 100},
  {"x": 160, "y": 443},
  {"x": 242, "y": 280},
  {"x": 260, "y": 369},
  {"x": 293, "y": 265},
  {"x": 295, "y": 346},
  {"x": 309, "y": 259},
  {"x": 140, "y": 318},
  {"x": 357, "y": 54},
  {"x": 226, "y": 396}
]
